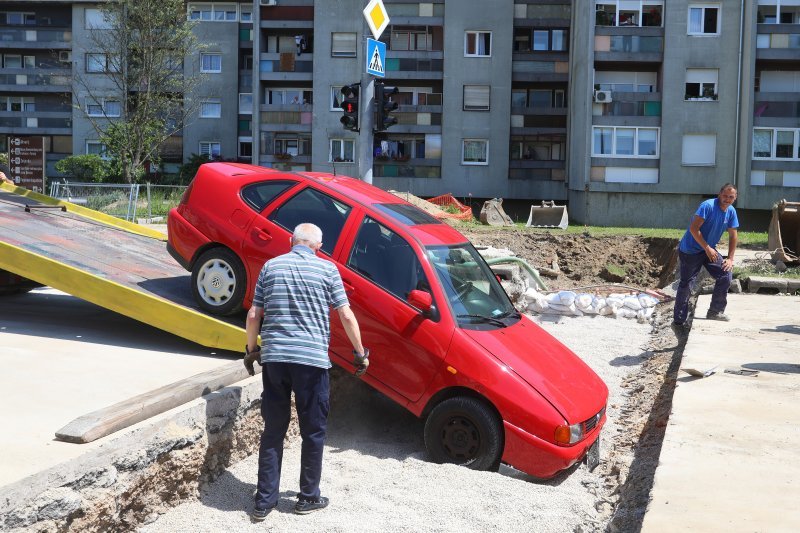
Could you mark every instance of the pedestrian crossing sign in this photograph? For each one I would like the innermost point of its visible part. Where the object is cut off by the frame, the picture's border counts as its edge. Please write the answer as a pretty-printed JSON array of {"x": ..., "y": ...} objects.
[{"x": 376, "y": 58}]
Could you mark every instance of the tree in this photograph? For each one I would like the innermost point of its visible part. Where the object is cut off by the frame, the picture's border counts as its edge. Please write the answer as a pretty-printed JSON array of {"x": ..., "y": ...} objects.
[
  {"x": 145, "y": 97},
  {"x": 84, "y": 167}
]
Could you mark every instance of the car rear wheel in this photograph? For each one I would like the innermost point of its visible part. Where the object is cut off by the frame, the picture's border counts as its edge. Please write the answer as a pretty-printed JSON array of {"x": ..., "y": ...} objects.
[
  {"x": 218, "y": 281},
  {"x": 464, "y": 431}
]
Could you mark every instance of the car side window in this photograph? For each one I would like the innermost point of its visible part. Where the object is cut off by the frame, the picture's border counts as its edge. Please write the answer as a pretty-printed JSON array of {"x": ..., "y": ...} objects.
[
  {"x": 386, "y": 258},
  {"x": 259, "y": 195},
  {"x": 310, "y": 205}
]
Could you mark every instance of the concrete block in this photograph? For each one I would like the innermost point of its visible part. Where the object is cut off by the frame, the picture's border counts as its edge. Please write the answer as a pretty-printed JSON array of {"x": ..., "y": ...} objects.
[
  {"x": 736, "y": 287},
  {"x": 767, "y": 285},
  {"x": 792, "y": 286}
]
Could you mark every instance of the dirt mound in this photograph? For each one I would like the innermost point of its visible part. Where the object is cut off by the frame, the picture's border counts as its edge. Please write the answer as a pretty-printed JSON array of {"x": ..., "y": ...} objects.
[{"x": 583, "y": 260}]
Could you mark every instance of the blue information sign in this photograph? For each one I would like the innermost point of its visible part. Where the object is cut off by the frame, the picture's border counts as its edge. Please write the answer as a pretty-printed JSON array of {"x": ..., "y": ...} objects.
[{"x": 376, "y": 58}]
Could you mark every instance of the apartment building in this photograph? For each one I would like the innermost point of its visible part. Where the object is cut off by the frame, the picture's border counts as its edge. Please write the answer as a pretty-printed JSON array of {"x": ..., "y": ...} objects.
[{"x": 632, "y": 111}]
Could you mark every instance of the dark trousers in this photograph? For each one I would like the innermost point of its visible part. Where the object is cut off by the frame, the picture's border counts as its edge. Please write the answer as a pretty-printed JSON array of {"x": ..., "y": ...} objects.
[
  {"x": 311, "y": 387},
  {"x": 690, "y": 267}
]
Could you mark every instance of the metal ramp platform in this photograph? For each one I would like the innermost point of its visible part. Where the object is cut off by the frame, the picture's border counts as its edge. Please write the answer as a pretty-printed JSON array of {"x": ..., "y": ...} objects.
[{"x": 115, "y": 264}]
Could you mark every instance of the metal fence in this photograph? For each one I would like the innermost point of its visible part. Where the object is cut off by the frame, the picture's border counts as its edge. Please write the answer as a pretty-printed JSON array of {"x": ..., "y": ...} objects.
[{"x": 143, "y": 203}]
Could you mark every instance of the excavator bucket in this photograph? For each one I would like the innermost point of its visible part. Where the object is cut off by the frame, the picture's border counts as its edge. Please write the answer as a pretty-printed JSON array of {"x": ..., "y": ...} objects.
[
  {"x": 784, "y": 232},
  {"x": 492, "y": 213},
  {"x": 548, "y": 215}
]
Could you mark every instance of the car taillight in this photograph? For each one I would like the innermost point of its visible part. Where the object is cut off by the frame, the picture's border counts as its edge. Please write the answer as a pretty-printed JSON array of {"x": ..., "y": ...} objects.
[{"x": 186, "y": 193}]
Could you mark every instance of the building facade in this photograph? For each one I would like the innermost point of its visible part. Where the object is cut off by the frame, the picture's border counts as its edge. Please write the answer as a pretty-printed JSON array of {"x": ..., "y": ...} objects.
[{"x": 632, "y": 111}]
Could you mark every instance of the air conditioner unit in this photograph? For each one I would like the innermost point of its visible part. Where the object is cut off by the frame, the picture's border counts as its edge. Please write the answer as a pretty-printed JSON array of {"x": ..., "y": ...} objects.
[
  {"x": 65, "y": 56},
  {"x": 602, "y": 97},
  {"x": 269, "y": 2}
]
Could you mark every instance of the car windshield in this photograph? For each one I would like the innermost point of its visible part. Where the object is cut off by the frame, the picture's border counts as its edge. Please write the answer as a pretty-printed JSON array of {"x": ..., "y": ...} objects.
[{"x": 471, "y": 287}]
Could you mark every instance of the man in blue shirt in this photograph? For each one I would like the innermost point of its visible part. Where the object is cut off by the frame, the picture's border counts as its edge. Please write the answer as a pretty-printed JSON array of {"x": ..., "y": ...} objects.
[
  {"x": 293, "y": 295},
  {"x": 698, "y": 249}
]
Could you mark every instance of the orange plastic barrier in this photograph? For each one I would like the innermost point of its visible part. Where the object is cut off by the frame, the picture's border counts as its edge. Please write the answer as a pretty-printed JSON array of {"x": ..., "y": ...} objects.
[{"x": 452, "y": 207}]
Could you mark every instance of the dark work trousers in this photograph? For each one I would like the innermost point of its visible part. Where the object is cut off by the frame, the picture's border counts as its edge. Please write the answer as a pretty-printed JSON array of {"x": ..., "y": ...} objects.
[
  {"x": 311, "y": 388},
  {"x": 690, "y": 267}
]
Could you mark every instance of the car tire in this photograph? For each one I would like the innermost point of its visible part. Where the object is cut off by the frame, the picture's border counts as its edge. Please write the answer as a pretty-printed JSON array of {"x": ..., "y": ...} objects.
[
  {"x": 219, "y": 281},
  {"x": 464, "y": 431}
]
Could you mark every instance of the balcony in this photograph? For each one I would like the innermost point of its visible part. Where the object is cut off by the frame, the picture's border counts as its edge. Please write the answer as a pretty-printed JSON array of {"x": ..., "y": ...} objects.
[
  {"x": 418, "y": 119},
  {"x": 35, "y": 80},
  {"x": 286, "y": 66},
  {"x": 428, "y": 68},
  {"x": 28, "y": 38},
  {"x": 287, "y": 117},
  {"x": 556, "y": 111},
  {"x": 629, "y": 104},
  {"x": 412, "y": 168},
  {"x": 778, "y": 42},
  {"x": 778, "y": 110},
  {"x": 533, "y": 70},
  {"x": 538, "y": 124},
  {"x": 629, "y": 44},
  {"x": 36, "y": 122}
]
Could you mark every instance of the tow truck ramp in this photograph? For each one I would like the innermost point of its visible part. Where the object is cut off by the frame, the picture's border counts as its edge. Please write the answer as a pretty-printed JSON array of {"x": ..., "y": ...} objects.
[{"x": 112, "y": 263}]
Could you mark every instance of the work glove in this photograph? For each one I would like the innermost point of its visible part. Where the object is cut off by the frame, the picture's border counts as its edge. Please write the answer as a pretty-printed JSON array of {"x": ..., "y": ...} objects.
[
  {"x": 361, "y": 362},
  {"x": 250, "y": 358}
]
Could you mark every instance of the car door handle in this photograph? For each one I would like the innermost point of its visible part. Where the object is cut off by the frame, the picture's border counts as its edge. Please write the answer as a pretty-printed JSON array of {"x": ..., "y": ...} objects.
[
  {"x": 263, "y": 235},
  {"x": 348, "y": 288}
]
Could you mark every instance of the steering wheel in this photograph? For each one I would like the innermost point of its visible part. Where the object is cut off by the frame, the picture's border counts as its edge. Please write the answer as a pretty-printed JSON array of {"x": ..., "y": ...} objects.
[{"x": 462, "y": 291}]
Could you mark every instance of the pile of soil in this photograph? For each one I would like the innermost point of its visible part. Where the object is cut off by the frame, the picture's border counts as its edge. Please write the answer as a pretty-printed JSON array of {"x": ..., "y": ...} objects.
[{"x": 582, "y": 260}]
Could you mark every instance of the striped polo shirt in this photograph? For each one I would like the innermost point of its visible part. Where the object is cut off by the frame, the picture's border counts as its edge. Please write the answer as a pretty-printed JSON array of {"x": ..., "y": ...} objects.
[{"x": 297, "y": 290}]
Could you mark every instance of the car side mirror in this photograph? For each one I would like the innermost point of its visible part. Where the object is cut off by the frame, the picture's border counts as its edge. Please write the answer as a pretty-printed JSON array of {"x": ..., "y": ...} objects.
[{"x": 421, "y": 300}]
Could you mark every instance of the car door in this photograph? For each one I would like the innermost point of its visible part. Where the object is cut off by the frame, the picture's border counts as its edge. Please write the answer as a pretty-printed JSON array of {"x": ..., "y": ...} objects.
[
  {"x": 270, "y": 232},
  {"x": 379, "y": 267}
]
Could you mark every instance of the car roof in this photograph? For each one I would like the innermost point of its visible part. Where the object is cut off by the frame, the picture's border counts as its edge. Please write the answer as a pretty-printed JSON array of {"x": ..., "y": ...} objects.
[{"x": 360, "y": 192}]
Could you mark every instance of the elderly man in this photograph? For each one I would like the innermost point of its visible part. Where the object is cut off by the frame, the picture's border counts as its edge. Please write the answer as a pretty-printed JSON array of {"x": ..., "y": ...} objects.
[
  {"x": 698, "y": 249},
  {"x": 293, "y": 295}
]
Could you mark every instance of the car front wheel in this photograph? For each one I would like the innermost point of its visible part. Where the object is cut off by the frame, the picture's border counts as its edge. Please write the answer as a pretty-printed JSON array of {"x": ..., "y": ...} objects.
[
  {"x": 464, "y": 431},
  {"x": 218, "y": 281}
]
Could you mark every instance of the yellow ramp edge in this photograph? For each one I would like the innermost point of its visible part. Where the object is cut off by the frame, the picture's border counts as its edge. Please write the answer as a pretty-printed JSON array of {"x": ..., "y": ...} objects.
[
  {"x": 84, "y": 212},
  {"x": 157, "y": 312}
]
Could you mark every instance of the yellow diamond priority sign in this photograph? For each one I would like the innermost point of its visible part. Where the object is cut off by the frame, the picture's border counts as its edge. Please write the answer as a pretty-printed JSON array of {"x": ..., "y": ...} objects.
[{"x": 377, "y": 17}]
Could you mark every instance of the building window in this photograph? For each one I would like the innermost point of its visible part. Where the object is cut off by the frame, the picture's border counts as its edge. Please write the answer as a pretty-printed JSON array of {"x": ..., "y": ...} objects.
[
  {"x": 97, "y": 63},
  {"x": 476, "y": 97},
  {"x": 629, "y": 12},
  {"x": 699, "y": 150},
  {"x": 478, "y": 44},
  {"x": 12, "y": 61},
  {"x": 404, "y": 38},
  {"x": 287, "y": 96},
  {"x": 538, "y": 148},
  {"x": 245, "y": 103},
  {"x": 342, "y": 150},
  {"x": 210, "y": 149},
  {"x": 475, "y": 152},
  {"x": 245, "y": 147},
  {"x": 103, "y": 107},
  {"x": 17, "y": 103},
  {"x": 211, "y": 63},
  {"x": 336, "y": 97},
  {"x": 214, "y": 12},
  {"x": 211, "y": 108},
  {"x": 17, "y": 18},
  {"x": 608, "y": 141},
  {"x": 96, "y": 148},
  {"x": 544, "y": 40},
  {"x": 701, "y": 83},
  {"x": 343, "y": 44},
  {"x": 776, "y": 143},
  {"x": 246, "y": 13},
  {"x": 94, "y": 19},
  {"x": 704, "y": 19}
]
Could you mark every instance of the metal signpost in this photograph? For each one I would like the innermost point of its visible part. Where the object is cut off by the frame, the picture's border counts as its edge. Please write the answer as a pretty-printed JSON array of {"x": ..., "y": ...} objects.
[
  {"x": 377, "y": 19},
  {"x": 26, "y": 162}
]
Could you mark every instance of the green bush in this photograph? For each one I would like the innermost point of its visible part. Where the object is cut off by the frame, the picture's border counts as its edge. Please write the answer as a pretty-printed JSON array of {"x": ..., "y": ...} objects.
[
  {"x": 86, "y": 168},
  {"x": 187, "y": 171}
]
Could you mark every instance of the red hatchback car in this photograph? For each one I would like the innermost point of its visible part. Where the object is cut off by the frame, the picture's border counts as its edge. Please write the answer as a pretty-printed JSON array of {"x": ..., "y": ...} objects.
[{"x": 444, "y": 338}]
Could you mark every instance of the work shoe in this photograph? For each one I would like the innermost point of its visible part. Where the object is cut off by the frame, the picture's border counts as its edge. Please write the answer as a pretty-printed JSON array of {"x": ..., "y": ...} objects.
[
  {"x": 307, "y": 506},
  {"x": 717, "y": 315},
  {"x": 680, "y": 328},
  {"x": 260, "y": 514}
]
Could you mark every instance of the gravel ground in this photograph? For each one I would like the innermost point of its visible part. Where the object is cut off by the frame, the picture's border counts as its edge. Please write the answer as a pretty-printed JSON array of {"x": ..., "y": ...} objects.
[{"x": 377, "y": 477}]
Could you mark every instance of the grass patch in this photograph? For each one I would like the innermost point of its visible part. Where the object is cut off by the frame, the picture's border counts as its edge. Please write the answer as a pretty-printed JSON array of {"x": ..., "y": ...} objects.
[
  {"x": 616, "y": 270},
  {"x": 765, "y": 269}
]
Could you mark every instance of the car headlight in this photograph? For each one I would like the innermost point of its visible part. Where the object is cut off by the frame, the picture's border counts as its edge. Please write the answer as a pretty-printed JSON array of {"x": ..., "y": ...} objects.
[{"x": 567, "y": 435}]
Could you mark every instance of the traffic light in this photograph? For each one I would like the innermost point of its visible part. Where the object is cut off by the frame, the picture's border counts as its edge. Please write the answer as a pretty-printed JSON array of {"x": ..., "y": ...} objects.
[
  {"x": 350, "y": 106},
  {"x": 384, "y": 106}
]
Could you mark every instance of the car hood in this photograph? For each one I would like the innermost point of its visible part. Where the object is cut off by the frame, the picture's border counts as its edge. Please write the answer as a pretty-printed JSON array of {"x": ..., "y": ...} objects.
[{"x": 548, "y": 366}]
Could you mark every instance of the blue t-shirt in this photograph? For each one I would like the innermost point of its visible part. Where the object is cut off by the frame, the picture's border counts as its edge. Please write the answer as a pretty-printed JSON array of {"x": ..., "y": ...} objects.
[{"x": 715, "y": 222}]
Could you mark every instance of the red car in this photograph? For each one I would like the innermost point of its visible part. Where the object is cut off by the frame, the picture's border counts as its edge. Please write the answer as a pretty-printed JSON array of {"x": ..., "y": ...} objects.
[{"x": 444, "y": 338}]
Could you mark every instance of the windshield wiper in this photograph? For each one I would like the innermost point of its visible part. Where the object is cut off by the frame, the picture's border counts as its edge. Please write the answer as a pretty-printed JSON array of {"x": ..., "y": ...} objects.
[
  {"x": 514, "y": 314},
  {"x": 488, "y": 319}
]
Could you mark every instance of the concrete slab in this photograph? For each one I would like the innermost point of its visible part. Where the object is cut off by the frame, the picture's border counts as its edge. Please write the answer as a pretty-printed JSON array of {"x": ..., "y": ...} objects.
[
  {"x": 730, "y": 459},
  {"x": 63, "y": 357}
]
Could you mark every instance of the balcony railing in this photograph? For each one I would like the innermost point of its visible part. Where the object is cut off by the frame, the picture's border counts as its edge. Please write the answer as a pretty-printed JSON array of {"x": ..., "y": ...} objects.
[
  {"x": 287, "y": 62},
  {"x": 302, "y": 118},
  {"x": 776, "y": 109},
  {"x": 413, "y": 168},
  {"x": 28, "y": 121},
  {"x": 398, "y": 64},
  {"x": 37, "y": 80},
  {"x": 34, "y": 35},
  {"x": 778, "y": 41}
]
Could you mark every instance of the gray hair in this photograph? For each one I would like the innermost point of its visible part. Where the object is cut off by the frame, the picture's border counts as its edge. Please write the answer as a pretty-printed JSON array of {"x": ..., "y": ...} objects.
[{"x": 307, "y": 233}]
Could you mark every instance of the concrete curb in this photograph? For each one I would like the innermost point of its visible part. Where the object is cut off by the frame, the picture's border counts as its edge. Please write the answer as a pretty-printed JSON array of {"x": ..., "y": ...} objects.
[{"x": 135, "y": 476}]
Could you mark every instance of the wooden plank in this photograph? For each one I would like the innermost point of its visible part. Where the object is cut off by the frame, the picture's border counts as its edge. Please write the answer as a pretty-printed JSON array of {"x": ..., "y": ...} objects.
[{"x": 103, "y": 422}]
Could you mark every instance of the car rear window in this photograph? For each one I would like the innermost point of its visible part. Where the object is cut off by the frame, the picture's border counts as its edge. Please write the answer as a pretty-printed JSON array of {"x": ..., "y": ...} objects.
[
  {"x": 259, "y": 195},
  {"x": 407, "y": 214}
]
